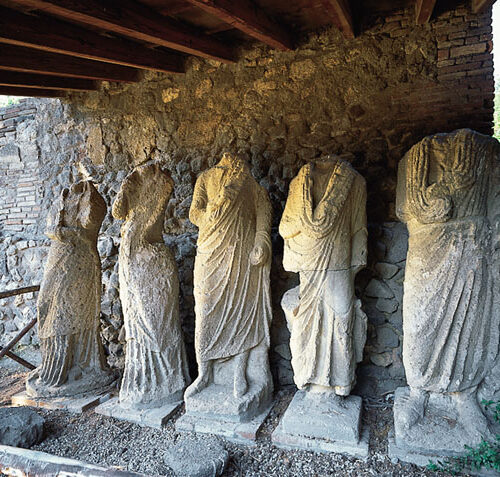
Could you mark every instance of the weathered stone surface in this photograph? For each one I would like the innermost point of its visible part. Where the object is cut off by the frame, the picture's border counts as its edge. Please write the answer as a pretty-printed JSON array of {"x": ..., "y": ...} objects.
[
  {"x": 69, "y": 300},
  {"x": 323, "y": 422},
  {"x": 156, "y": 417},
  {"x": 232, "y": 293},
  {"x": 20, "y": 427},
  {"x": 324, "y": 228},
  {"x": 74, "y": 404},
  {"x": 448, "y": 195},
  {"x": 192, "y": 457},
  {"x": 378, "y": 289},
  {"x": 386, "y": 270},
  {"x": 156, "y": 371}
]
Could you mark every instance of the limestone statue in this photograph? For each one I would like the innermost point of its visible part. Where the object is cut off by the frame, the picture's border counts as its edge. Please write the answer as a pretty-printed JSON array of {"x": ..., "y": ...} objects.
[
  {"x": 155, "y": 358},
  {"x": 324, "y": 229},
  {"x": 69, "y": 299},
  {"x": 448, "y": 194},
  {"x": 232, "y": 290}
]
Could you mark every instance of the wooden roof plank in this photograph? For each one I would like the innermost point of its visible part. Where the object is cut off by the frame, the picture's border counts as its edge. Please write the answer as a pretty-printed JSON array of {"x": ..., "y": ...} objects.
[
  {"x": 31, "y": 92},
  {"x": 18, "y": 58},
  {"x": 480, "y": 6},
  {"x": 28, "y": 80},
  {"x": 136, "y": 20},
  {"x": 423, "y": 10},
  {"x": 250, "y": 19},
  {"x": 342, "y": 16},
  {"x": 47, "y": 34}
]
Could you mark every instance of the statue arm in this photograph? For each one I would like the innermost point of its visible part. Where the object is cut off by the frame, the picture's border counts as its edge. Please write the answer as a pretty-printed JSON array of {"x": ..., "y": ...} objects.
[
  {"x": 401, "y": 192},
  {"x": 261, "y": 252},
  {"x": 199, "y": 202},
  {"x": 358, "y": 227},
  {"x": 290, "y": 223}
]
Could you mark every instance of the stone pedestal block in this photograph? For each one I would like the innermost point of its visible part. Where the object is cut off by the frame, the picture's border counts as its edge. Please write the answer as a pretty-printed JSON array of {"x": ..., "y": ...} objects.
[
  {"x": 72, "y": 404},
  {"x": 322, "y": 423},
  {"x": 155, "y": 417},
  {"x": 222, "y": 425},
  {"x": 438, "y": 434}
]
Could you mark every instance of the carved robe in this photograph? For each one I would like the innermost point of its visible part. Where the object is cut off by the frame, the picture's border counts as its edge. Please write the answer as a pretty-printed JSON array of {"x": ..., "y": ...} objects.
[
  {"x": 156, "y": 369},
  {"x": 232, "y": 299},
  {"x": 68, "y": 306},
  {"x": 450, "y": 322},
  {"x": 324, "y": 243}
]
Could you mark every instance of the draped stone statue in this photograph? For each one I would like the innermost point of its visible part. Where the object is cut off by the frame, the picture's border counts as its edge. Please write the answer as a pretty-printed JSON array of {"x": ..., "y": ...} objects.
[
  {"x": 449, "y": 196},
  {"x": 232, "y": 294},
  {"x": 324, "y": 229},
  {"x": 156, "y": 370},
  {"x": 69, "y": 300}
]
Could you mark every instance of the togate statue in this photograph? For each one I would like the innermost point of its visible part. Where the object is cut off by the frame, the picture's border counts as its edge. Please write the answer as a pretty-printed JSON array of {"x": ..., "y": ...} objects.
[
  {"x": 156, "y": 369},
  {"x": 69, "y": 301},
  {"x": 232, "y": 292},
  {"x": 324, "y": 228},
  {"x": 449, "y": 196}
]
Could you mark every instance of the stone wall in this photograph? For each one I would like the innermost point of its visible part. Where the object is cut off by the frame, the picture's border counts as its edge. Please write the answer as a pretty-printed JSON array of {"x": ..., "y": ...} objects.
[{"x": 368, "y": 99}]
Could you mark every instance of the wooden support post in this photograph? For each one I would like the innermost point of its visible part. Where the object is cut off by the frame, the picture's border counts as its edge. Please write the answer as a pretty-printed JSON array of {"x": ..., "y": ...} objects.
[
  {"x": 480, "y": 6},
  {"x": 423, "y": 10},
  {"x": 340, "y": 12}
]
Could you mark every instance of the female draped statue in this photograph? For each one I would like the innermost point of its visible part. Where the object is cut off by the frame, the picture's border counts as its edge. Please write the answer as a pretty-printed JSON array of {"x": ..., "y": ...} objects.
[
  {"x": 231, "y": 280},
  {"x": 324, "y": 228},
  {"x": 69, "y": 301},
  {"x": 156, "y": 369},
  {"x": 449, "y": 197}
]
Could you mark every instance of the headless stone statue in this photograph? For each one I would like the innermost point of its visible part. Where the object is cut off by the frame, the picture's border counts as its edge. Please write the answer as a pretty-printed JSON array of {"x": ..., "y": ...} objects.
[
  {"x": 231, "y": 289},
  {"x": 448, "y": 195},
  {"x": 324, "y": 229},
  {"x": 156, "y": 370},
  {"x": 69, "y": 300}
]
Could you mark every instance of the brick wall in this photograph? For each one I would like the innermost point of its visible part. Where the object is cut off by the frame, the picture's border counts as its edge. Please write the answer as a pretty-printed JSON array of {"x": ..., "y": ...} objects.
[
  {"x": 462, "y": 93},
  {"x": 19, "y": 170}
]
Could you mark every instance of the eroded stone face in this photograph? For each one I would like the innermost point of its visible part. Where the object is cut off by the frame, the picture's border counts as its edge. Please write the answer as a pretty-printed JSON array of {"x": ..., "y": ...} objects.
[
  {"x": 448, "y": 195},
  {"x": 156, "y": 369},
  {"x": 232, "y": 292},
  {"x": 324, "y": 228},
  {"x": 69, "y": 300}
]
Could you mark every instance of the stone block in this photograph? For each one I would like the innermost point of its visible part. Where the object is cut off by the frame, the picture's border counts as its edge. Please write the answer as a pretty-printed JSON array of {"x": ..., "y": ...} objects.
[
  {"x": 73, "y": 404},
  {"x": 155, "y": 417},
  {"x": 20, "y": 427},
  {"x": 234, "y": 431},
  {"x": 315, "y": 421}
]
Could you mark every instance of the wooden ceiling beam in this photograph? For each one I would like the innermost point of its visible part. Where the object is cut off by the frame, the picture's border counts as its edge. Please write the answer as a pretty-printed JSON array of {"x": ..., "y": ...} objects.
[
  {"x": 28, "y": 80},
  {"x": 423, "y": 10},
  {"x": 250, "y": 19},
  {"x": 135, "y": 20},
  {"x": 47, "y": 34},
  {"x": 340, "y": 10},
  {"x": 31, "y": 92},
  {"x": 480, "y": 6},
  {"x": 18, "y": 58}
]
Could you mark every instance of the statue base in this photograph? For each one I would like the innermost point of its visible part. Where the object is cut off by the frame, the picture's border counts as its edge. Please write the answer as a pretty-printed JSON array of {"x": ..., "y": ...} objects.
[
  {"x": 76, "y": 404},
  {"x": 155, "y": 417},
  {"x": 439, "y": 434},
  {"x": 223, "y": 425},
  {"x": 318, "y": 422}
]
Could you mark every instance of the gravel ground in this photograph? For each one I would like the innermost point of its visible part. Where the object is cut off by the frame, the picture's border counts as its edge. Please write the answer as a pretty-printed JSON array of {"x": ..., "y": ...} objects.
[{"x": 106, "y": 441}]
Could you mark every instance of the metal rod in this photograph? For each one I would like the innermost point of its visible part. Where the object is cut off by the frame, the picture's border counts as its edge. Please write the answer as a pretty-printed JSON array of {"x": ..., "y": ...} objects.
[
  {"x": 20, "y": 360},
  {"x": 12, "y": 342},
  {"x": 19, "y": 291}
]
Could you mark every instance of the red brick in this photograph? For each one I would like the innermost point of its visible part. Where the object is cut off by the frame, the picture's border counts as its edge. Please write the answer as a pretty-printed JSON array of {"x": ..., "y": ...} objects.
[{"x": 468, "y": 50}]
